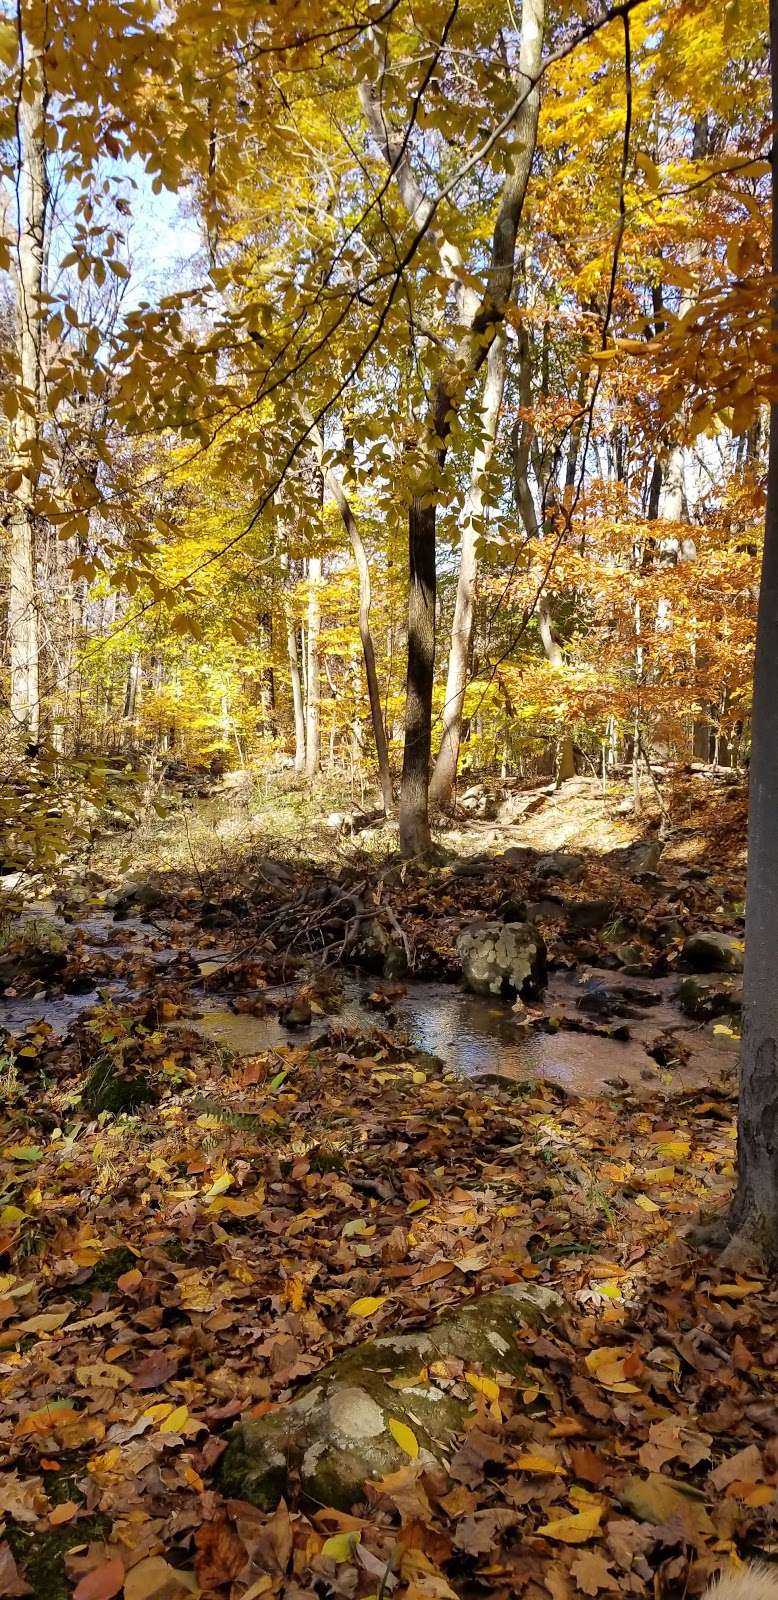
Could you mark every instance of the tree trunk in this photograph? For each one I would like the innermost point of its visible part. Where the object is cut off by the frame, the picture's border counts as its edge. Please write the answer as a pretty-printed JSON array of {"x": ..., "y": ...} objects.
[
  {"x": 480, "y": 315},
  {"x": 297, "y": 689},
  {"x": 335, "y": 487},
  {"x": 754, "y": 1217},
  {"x": 445, "y": 772},
  {"x": 414, "y": 810},
  {"x": 33, "y": 202},
  {"x": 313, "y": 705}
]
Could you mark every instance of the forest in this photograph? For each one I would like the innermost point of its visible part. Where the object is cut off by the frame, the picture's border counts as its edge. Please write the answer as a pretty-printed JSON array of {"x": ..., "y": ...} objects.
[{"x": 389, "y": 799}]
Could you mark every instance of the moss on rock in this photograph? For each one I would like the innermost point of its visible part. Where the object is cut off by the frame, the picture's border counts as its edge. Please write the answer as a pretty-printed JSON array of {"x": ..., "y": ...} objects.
[{"x": 335, "y": 1435}]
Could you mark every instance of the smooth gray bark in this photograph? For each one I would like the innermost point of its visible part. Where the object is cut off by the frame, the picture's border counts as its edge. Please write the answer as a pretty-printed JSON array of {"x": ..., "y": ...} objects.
[{"x": 313, "y": 675}]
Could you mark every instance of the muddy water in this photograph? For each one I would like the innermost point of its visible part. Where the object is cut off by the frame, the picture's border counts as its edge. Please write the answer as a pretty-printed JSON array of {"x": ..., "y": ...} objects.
[{"x": 474, "y": 1036}]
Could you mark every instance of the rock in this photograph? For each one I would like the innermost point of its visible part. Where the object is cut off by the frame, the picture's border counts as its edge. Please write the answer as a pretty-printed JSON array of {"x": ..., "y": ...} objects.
[
  {"x": 502, "y": 958},
  {"x": 596, "y": 1000},
  {"x": 548, "y": 909},
  {"x": 512, "y": 910},
  {"x": 629, "y": 955},
  {"x": 478, "y": 802},
  {"x": 636, "y": 859},
  {"x": 585, "y": 916},
  {"x": 713, "y": 952},
  {"x": 710, "y": 995},
  {"x": 335, "y": 1436},
  {"x": 298, "y": 1013},
  {"x": 135, "y": 897},
  {"x": 378, "y": 950},
  {"x": 560, "y": 864}
]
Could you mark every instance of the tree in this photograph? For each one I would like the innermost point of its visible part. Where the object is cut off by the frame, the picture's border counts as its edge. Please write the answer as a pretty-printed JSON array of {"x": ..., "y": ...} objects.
[
  {"x": 754, "y": 1217},
  {"x": 26, "y": 459}
]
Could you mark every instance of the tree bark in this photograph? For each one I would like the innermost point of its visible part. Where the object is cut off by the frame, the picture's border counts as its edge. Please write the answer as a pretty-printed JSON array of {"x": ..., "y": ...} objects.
[
  {"x": 754, "y": 1216},
  {"x": 444, "y": 775},
  {"x": 336, "y": 490},
  {"x": 313, "y": 677},
  {"x": 481, "y": 315},
  {"x": 33, "y": 192},
  {"x": 297, "y": 688}
]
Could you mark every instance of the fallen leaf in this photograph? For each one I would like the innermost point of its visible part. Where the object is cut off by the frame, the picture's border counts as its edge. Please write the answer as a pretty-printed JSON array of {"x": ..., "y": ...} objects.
[
  {"x": 575, "y": 1529},
  {"x": 404, "y": 1436},
  {"x": 155, "y": 1579},
  {"x": 590, "y": 1570},
  {"x": 341, "y": 1546},
  {"x": 103, "y": 1582},
  {"x": 367, "y": 1306}
]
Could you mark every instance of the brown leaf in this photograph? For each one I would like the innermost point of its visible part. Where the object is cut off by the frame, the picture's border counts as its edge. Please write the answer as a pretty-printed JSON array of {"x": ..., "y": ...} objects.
[
  {"x": 590, "y": 1570},
  {"x": 103, "y": 1582},
  {"x": 586, "y": 1464},
  {"x": 155, "y": 1370},
  {"x": 745, "y": 1465},
  {"x": 479, "y": 1533},
  {"x": 220, "y": 1553},
  {"x": 11, "y": 1583}
]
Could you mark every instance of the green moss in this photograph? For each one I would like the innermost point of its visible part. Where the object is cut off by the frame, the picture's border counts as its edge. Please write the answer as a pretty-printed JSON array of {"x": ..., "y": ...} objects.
[
  {"x": 111, "y": 1087},
  {"x": 104, "y": 1277},
  {"x": 41, "y": 1556}
]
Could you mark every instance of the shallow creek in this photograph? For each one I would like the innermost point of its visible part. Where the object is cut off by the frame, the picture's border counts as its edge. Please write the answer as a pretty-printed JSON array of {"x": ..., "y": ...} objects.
[{"x": 474, "y": 1036}]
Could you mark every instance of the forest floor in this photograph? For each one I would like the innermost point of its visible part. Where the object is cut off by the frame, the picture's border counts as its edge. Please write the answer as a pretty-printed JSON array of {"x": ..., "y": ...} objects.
[{"x": 190, "y": 1232}]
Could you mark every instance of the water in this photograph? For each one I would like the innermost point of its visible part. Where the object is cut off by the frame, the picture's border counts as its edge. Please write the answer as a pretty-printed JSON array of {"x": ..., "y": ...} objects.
[{"x": 473, "y": 1035}]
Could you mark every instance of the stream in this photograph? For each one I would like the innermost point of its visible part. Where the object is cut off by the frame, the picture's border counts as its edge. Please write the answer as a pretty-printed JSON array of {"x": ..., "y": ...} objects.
[{"x": 474, "y": 1036}]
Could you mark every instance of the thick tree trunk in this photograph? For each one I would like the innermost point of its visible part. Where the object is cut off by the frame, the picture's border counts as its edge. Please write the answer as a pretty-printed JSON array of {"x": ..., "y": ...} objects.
[
  {"x": 414, "y": 807},
  {"x": 33, "y": 202},
  {"x": 444, "y": 775},
  {"x": 313, "y": 676},
  {"x": 755, "y": 1211}
]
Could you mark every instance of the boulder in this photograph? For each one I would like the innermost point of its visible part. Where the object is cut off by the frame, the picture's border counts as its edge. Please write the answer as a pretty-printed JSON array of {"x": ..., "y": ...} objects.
[
  {"x": 711, "y": 951},
  {"x": 560, "y": 864},
  {"x": 636, "y": 859},
  {"x": 502, "y": 958},
  {"x": 336, "y": 1434},
  {"x": 585, "y": 916},
  {"x": 704, "y": 995}
]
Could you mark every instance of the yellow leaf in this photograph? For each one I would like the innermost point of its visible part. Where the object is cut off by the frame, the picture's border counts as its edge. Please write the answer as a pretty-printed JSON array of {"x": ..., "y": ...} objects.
[
  {"x": 605, "y": 1355},
  {"x": 175, "y": 1422},
  {"x": 645, "y": 1204},
  {"x": 575, "y": 1529},
  {"x": 542, "y": 1464},
  {"x": 482, "y": 1385},
  {"x": 341, "y": 1546},
  {"x": 735, "y": 1291},
  {"x": 367, "y": 1306},
  {"x": 405, "y": 1437},
  {"x": 415, "y": 1206},
  {"x": 219, "y": 1186}
]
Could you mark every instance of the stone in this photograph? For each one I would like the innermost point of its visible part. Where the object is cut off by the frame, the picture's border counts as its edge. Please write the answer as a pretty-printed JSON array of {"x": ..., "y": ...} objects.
[
  {"x": 560, "y": 864},
  {"x": 502, "y": 958},
  {"x": 548, "y": 909},
  {"x": 636, "y": 859},
  {"x": 334, "y": 1436},
  {"x": 710, "y": 951},
  {"x": 704, "y": 995},
  {"x": 377, "y": 950},
  {"x": 512, "y": 910},
  {"x": 586, "y": 916}
]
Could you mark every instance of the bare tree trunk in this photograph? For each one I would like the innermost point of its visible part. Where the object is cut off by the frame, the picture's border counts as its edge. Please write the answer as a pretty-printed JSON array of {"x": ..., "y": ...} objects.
[
  {"x": 297, "y": 689},
  {"x": 335, "y": 487},
  {"x": 444, "y": 775},
  {"x": 33, "y": 193},
  {"x": 480, "y": 315},
  {"x": 754, "y": 1217},
  {"x": 313, "y": 676}
]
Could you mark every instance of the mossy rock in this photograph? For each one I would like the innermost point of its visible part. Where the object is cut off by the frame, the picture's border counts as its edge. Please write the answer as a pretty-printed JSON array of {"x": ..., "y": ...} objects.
[
  {"x": 335, "y": 1435},
  {"x": 704, "y": 995},
  {"x": 110, "y": 1086}
]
